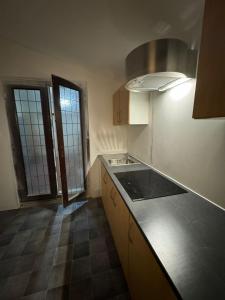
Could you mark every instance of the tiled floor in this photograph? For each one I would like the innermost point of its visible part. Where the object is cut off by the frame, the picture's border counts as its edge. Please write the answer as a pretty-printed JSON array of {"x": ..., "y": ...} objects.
[{"x": 55, "y": 253}]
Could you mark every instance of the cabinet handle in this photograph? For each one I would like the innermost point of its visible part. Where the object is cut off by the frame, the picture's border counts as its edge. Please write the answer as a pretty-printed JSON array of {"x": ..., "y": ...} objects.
[
  {"x": 129, "y": 233},
  {"x": 118, "y": 117},
  {"x": 104, "y": 178},
  {"x": 112, "y": 197}
]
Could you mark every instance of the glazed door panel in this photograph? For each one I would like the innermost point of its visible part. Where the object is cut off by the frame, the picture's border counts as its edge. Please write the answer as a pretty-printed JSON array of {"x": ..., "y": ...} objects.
[{"x": 69, "y": 126}]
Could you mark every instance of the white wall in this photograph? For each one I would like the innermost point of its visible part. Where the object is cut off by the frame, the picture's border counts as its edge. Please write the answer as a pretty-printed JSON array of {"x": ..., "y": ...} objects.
[
  {"x": 191, "y": 151},
  {"x": 8, "y": 187},
  {"x": 17, "y": 61}
]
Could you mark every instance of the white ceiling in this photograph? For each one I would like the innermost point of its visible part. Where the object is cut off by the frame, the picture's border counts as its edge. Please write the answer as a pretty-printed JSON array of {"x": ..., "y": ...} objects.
[{"x": 98, "y": 33}]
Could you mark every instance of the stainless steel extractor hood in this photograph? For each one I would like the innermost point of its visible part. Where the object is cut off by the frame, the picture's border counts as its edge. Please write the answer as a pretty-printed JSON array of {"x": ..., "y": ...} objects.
[{"x": 159, "y": 65}]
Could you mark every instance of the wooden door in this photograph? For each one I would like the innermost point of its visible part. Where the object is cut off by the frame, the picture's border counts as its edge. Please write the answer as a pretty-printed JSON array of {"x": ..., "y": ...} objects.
[
  {"x": 69, "y": 128},
  {"x": 146, "y": 279}
]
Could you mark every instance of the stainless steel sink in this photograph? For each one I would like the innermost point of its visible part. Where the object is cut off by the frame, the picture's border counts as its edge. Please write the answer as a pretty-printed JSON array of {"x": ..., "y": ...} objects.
[{"x": 122, "y": 161}]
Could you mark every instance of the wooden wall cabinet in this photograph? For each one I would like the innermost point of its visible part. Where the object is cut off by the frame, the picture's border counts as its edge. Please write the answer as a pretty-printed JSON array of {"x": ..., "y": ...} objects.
[
  {"x": 130, "y": 108},
  {"x": 143, "y": 274},
  {"x": 210, "y": 85}
]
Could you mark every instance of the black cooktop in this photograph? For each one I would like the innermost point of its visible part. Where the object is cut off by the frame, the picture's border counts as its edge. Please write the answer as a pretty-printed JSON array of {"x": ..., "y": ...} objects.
[{"x": 147, "y": 184}]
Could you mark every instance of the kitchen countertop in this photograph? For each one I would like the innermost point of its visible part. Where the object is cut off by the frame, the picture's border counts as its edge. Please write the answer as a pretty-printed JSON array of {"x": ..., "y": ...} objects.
[{"x": 187, "y": 235}]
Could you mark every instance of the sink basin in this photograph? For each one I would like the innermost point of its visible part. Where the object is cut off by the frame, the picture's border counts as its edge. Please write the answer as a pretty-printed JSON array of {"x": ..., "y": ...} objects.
[{"x": 126, "y": 160}]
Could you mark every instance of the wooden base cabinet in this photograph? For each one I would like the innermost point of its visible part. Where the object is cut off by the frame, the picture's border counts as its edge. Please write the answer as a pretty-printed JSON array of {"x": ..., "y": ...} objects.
[
  {"x": 143, "y": 274},
  {"x": 118, "y": 217},
  {"x": 145, "y": 280},
  {"x": 120, "y": 226}
]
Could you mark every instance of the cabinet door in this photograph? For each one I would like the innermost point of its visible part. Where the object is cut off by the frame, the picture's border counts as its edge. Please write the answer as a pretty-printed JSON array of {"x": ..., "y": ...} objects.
[
  {"x": 108, "y": 193},
  {"x": 118, "y": 217},
  {"x": 139, "y": 108},
  {"x": 116, "y": 108},
  {"x": 210, "y": 92},
  {"x": 105, "y": 183},
  {"x": 146, "y": 280},
  {"x": 124, "y": 106},
  {"x": 112, "y": 207},
  {"x": 121, "y": 231}
]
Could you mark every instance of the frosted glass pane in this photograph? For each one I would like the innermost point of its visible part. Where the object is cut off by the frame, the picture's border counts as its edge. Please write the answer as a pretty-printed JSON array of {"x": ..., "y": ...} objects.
[
  {"x": 29, "y": 116},
  {"x": 70, "y": 110}
]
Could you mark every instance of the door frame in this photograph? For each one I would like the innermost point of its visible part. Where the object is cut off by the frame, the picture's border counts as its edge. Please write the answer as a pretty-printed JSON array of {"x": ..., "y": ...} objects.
[
  {"x": 17, "y": 145},
  {"x": 56, "y": 82}
]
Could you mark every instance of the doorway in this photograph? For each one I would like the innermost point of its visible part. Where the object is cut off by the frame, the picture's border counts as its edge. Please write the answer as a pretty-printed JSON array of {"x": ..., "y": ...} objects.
[{"x": 47, "y": 127}]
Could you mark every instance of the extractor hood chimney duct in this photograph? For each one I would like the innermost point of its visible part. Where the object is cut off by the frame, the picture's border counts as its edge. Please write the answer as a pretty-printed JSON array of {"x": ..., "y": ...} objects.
[{"x": 159, "y": 65}]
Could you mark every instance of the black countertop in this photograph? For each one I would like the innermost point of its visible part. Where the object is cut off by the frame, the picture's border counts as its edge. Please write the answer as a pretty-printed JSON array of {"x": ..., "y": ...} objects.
[{"x": 187, "y": 235}]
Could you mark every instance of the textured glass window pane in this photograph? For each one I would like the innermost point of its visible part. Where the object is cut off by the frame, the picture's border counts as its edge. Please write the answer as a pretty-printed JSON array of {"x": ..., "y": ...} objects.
[
  {"x": 42, "y": 140},
  {"x": 17, "y": 94},
  {"x": 24, "y": 106},
  {"x": 22, "y": 131},
  {"x": 28, "y": 130},
  {"x": 29, "y": 115},
  {"x": 64, "y": 130},
  {"x": 37, "y": 96},
  {"x": 23, "y": 140},
  {"x": 73, "y": 95},
  {"x": 39, "y": 109},
  {"x": 72, "y": 139},
  {"x": 40, "y": 170},
  {"x": 69, "y": 128},
  {"x": 74, "y": 117},
  {"x": 23, "y": 94},
  {"x": 36, "y": 140},
  {"x": 34, "y": 118},
  {"x": 31, "y": 95},
  {"x": 18, "y": 106},
  {"x": 33, "y": 106},
  {"x": 20, "y": 118},
  {"x": 41, "y": 129}
]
